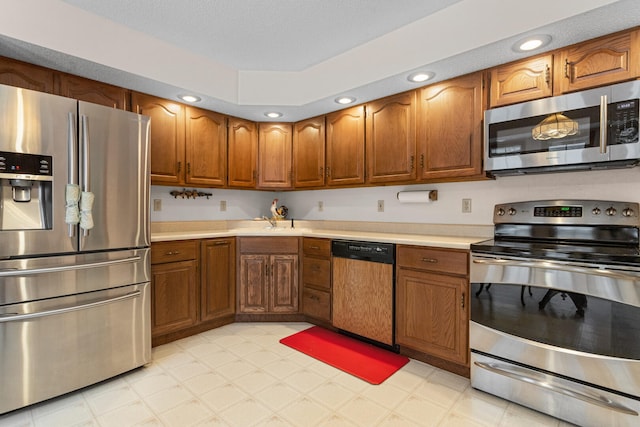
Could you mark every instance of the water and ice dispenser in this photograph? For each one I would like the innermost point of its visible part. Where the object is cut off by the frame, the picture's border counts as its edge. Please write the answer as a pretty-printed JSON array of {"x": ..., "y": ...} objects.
[{"x": 25, "y": 191}]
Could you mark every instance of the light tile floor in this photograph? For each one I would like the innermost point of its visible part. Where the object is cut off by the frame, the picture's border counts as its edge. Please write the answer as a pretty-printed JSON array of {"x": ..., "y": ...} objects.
[{"x": 240, "y": 375}]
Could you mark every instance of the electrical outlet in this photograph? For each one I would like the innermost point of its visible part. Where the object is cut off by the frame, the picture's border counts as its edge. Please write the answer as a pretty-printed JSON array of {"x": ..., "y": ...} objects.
[
  {"x": 466, "y": 205},
  {"x": 380, "y": 205},
  {"x": 223, "y": 205},
  {"x": 157, "y": 204},
  {"x": 320, "y": 206}
]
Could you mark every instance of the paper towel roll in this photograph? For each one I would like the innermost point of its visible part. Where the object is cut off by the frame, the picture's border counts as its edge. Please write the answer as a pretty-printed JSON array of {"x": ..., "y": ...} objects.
[{"x": 426, "y": 196}]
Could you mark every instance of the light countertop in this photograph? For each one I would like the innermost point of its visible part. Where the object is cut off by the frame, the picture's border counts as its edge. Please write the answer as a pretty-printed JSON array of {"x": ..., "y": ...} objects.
[{"x": 396, "y": 234}]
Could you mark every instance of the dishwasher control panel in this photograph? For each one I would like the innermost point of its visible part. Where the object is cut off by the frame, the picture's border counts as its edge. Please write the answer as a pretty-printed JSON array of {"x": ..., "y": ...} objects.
[{"x": 367, "y": 251}]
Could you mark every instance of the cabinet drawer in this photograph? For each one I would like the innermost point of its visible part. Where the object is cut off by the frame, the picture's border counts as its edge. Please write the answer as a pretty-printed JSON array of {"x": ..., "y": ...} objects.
[
  {"x": 269, "y": 245},
  {"x": 316, "y": 272},
  {"x": 173, "y": 251},
  {"x": 431, "y": 259},
  {"x": 316, "y": 304},
  {"x": 316, "y": 247}
]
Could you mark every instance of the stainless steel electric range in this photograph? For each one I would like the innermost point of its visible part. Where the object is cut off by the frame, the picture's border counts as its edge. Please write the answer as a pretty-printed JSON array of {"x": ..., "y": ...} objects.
[{"x": 555, "y": 310}]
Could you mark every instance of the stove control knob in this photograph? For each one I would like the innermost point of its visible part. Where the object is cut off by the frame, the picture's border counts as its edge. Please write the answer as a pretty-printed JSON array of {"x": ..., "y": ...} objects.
[
  {"x": 512, "y": 211},
  {"x": 627, "y": 212},
  {"x": 500, "y": 212},
  {"x": 611, "y": 211},
  {"x": 596, "y": 211}
]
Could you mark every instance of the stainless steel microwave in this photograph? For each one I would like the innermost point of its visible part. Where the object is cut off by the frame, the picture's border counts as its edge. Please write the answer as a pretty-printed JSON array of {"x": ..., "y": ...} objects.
[{"x": 592, "y": 129}]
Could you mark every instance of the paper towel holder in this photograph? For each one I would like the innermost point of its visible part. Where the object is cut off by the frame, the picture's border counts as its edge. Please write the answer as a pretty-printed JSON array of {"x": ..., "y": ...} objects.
[{"x": 419, "y": 196}]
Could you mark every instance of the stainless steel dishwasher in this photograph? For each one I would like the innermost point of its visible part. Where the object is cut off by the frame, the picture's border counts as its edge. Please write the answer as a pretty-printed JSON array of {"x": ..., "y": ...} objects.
[{"x": 364, "y": 289}]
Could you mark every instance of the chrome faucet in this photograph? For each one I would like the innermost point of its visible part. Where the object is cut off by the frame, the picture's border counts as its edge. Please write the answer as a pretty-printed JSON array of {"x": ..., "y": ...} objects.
[{"x": 272, "y": 221}]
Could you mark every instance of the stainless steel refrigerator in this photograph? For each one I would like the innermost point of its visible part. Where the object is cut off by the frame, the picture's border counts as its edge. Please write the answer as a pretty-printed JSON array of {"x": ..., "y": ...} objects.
[{"x": 74, "y": 245}]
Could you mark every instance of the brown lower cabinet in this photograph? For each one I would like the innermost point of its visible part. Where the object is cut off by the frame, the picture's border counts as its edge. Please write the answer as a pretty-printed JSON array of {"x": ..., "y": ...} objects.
[
  {"x": 316, "y": 278},
  {"x": 192, "y": 287},
  {"x": 268, "y": 275},
  {"x": 432, "y": 310}
]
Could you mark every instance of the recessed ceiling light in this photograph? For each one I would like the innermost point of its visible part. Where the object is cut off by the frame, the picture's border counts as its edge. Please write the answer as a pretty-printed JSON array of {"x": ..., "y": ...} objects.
[
  {"x": 420, "y": 76},
  {"x": 273, "y": 114},
  {"x": 190, "y": 98},
  {"x": 344, "y": 100},
  {"x": 531, "y": 43}
]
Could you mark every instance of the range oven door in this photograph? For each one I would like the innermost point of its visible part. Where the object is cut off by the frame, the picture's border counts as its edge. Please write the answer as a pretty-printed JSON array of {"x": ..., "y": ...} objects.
[
  {"x": 559, "y": 337},
  {"x": 604, "y": 128}
]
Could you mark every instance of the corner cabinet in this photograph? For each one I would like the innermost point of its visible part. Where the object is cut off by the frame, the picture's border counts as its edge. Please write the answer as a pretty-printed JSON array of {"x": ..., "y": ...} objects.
[
  {"x": 174, "y": 281},
  {"x": 391, "y": 139},
  {"x": 275, "y": 162},
  {"x": 243, "y": 153},
  {"x": 432, "y": 302},
  {"x": 450, "y": 128},
  {"x": 268, "y": 275},
  {"x": 345, "y": 147},
  {"x": 308, "y": 153}
]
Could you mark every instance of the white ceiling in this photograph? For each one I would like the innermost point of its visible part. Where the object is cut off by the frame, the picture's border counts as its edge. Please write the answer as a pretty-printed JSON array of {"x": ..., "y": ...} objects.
[{"x": 244, "y": 57}]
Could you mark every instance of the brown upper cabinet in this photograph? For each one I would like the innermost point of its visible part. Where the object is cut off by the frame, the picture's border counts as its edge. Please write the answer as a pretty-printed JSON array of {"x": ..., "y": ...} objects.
[
  {"x": 167, "y": 137},
  {"x": 206, "y": 148},
  {"x": 391, "y": 139},
  {"x": 92, "y": 91},
  {"x": 345, "y": 147},
  {"x": 521, "y": 81},
  {"x": 26, "y": 76},
  {"x": 450, "y": 128},
  {"x": 308, "y": 153},
  {"x": 601, "y": 61},
  {"x": 242, "y": 152},
  {"x": 275, "y": 163}
]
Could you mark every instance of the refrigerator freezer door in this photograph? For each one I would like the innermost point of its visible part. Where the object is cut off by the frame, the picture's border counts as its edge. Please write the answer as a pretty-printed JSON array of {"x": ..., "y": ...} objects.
[
  {"x": 41, "y": 126},
  {"x": 114, "y": 166}
]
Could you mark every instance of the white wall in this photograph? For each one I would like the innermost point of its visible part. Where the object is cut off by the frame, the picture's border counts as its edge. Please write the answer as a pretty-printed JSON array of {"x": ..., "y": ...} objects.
[{"x": 360, "y": 204}]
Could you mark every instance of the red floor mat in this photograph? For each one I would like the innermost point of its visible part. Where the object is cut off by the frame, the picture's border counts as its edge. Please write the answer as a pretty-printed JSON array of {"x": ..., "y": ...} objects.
[{"x": 357, "y": 358}]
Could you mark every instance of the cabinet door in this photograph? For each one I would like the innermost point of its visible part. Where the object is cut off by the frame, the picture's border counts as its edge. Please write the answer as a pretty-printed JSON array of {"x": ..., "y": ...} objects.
[
  {"x": 450, "y": 128},
  {"x": 243, "y": 150},
  {"x": 345, "y": 147},
  {"x": 173, "y": 296},
  {"x": 93, "y": 91},
  {"x": 217, "y": 281},
  {"x": 521, "y": 81},
  {"x": 391, "y": 139},
  {"x": 283, "y": 293},
  {"x": 431, "y": 314},
  {"x": 598, "y": 62},
  {"x": 26, "y": 76},
  {"x": 274, "y": 156},
  {"x": 253, "y": 283},
  {"x": 308, "y": 153},
  {"x": 206, "y": 148},
  {"x": 167, "y": 137}
]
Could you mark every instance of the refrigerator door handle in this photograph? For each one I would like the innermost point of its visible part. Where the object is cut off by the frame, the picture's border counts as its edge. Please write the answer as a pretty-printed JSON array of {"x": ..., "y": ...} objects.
[
  {"x": 72, "y": 173},
  {"x": 86, "y": 185},
  {"x": 9, "y": 272},
  {"x": 13, "y": 317}
]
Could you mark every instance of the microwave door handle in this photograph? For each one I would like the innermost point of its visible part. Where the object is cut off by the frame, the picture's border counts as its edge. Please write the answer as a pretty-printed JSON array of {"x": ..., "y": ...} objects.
[{"x": 603, "y": 124}]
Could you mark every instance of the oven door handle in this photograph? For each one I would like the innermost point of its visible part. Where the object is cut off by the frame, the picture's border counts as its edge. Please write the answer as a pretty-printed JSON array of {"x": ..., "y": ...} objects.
[
  {"x": 520, "y": 376},
  {"x": 14, "y": 317},
  {"x": 549, "y": 265}
]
